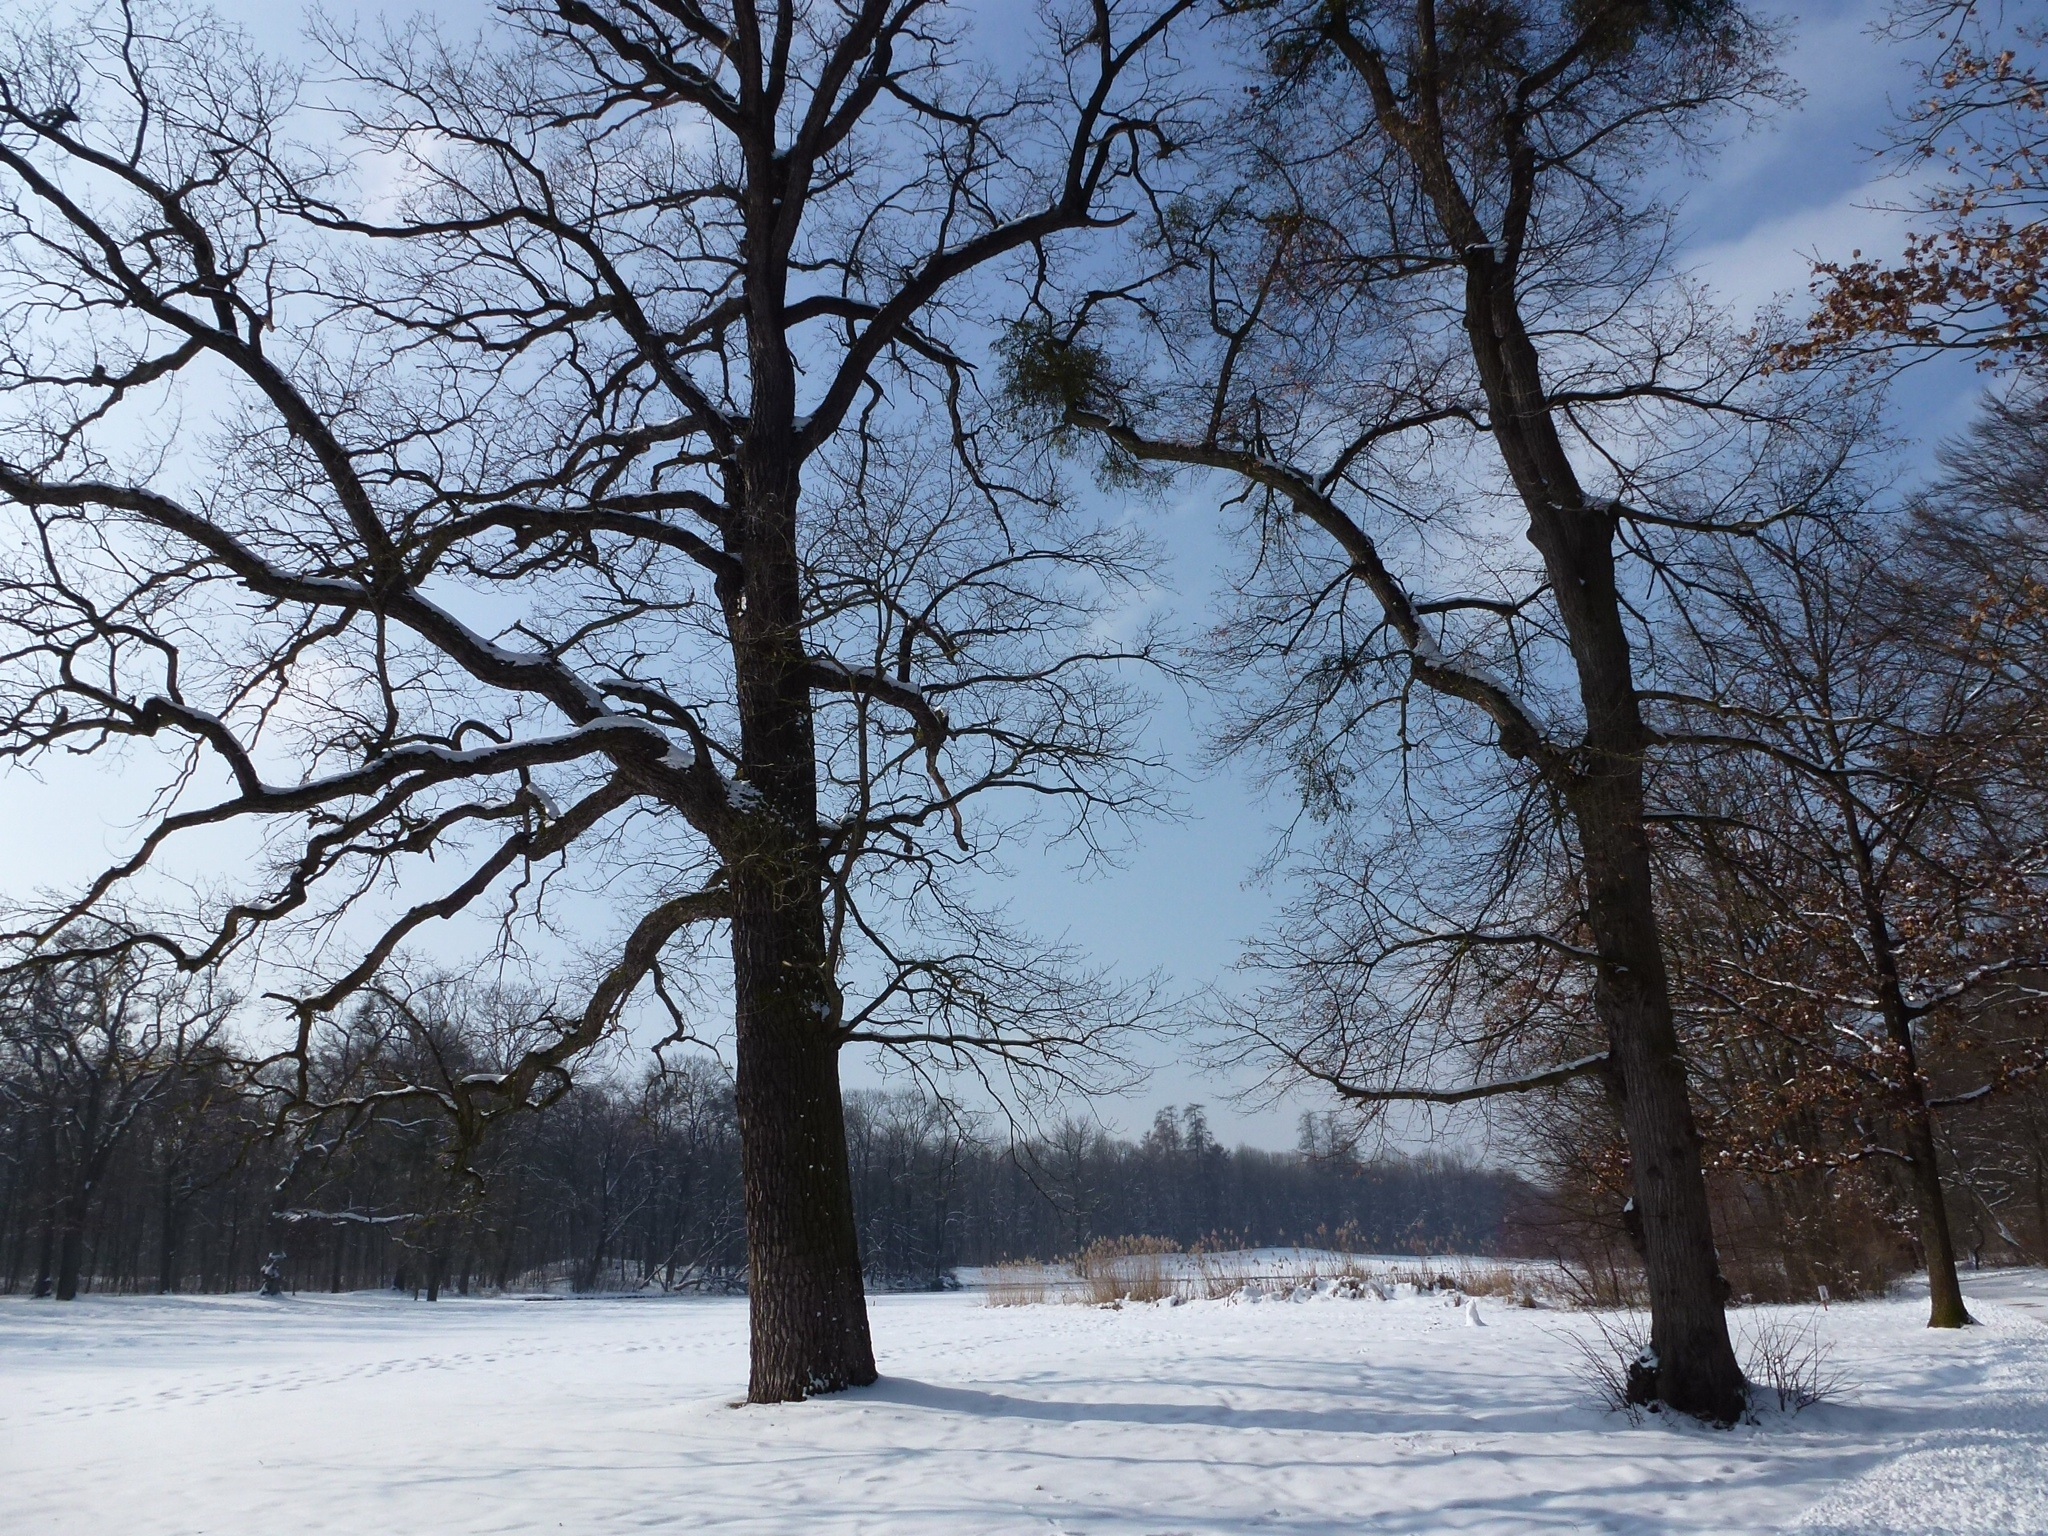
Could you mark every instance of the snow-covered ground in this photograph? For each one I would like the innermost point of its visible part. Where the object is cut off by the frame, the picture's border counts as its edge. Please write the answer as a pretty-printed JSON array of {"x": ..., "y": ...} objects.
[{"x": 124, "y": 1417}]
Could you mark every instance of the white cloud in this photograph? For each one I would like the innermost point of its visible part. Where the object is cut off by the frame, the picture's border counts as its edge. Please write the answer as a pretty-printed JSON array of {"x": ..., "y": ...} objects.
[{"x": 1774, "y": 259}]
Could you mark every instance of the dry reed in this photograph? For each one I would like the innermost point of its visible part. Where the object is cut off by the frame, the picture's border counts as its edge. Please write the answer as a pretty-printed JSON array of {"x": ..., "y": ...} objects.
[
  {"x": 1113, "y": 1270},
  {"x": 1017, "y": 1285}
]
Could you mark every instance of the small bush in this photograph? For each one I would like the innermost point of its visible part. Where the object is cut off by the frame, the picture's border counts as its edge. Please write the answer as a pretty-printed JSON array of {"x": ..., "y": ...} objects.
[
  {"x": 1603, "y": 1287},
  {"x": 1488, "y": 1280},
  {"x": 1786, "y": 1359},
  {"x": 1217, "y": 1276},
  {"x": 1613, "y": 1359},
  {"x": 1787, "y": 1363}
]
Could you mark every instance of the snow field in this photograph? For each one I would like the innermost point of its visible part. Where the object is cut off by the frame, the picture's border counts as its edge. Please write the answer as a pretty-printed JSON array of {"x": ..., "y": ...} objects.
[{"x": 131, "y": 1417}]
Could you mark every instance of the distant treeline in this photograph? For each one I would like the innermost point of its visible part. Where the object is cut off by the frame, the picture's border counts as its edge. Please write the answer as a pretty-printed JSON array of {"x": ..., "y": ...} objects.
[{"x": 129, "y": 1175}]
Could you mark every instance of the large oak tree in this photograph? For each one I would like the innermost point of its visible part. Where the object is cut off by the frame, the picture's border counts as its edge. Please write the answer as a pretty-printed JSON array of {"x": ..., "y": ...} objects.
[{"x": 583, "y": 486}]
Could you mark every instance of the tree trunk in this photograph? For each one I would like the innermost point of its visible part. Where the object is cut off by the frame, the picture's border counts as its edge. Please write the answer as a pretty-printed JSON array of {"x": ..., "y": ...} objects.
[
  {"x": 2040, "y": 1197},
  {"x": 807, "y": 1305},
  {"x": 70, "y": 1245},
  {"x": 808, "y": 1311},
  {"x": 167, "y": 1246},
  {"x": 1695, "y": 1370},
  {"x": 46, "y": 1257},
  {"x": 1945, "y": 1307}
]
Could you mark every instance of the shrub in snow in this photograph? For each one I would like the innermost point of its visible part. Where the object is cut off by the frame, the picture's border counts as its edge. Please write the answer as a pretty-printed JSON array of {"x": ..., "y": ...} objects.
[
  {"x": 1788, "y": 1365},
  {"x": 1017, "y": 1285},
  {"x": 1613, "y": 1358},
  {"x": 1786, "y": 1360}
]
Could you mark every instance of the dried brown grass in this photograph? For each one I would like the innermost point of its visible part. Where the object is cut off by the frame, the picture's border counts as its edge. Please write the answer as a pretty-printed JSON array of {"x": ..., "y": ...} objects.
[
  {"x": 1604, "y": 1287},
  {"x": 1017, "y": 1285},
  {"x": 1216, "y": 1275},
  {"x": 1113, "y": 1270}
]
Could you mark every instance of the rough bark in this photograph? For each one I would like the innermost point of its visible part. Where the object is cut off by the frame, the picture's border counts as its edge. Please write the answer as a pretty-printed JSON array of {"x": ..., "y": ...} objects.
[
  {"x": 808, "y": 1311},
  {"x": 1696, "y": 1369}
]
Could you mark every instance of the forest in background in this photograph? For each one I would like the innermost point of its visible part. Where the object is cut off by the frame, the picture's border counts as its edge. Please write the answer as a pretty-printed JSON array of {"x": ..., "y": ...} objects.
[
  {"x": 626, "y": 1185},
  {"x": 138, "y": 1154}
]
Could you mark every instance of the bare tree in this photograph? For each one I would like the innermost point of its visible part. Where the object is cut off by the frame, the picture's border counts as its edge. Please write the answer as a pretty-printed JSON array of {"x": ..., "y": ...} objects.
[
  {"x": 587, "y": 501},
  {"x": 86, "y": 1051},
  {"x": 1869, "y": 825},
  {"x": 1430, "y": 293},
  {"x": 1969, "y": 591}
]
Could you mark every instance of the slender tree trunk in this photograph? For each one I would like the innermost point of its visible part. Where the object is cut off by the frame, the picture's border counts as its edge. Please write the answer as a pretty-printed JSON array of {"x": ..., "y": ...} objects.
[
  {"x": 591, "y": 1270},
  {"x": 167, "y": 1245},
  {"x": 46, "y": 1258},
  {"x": 2040, "y": 1196},
  {"x": 1694, "y": 1369},
  {"x": 231, "y": 1267},
  {"x": 1945, "y": 1307}
]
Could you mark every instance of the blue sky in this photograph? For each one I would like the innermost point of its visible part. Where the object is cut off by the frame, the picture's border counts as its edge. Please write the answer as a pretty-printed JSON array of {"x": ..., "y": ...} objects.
[{"x": 1804, "y": 184}]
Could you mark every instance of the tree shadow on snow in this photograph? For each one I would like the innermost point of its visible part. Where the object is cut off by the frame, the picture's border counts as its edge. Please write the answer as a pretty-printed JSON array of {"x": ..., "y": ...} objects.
[{"x": 1410, "y": 1419}]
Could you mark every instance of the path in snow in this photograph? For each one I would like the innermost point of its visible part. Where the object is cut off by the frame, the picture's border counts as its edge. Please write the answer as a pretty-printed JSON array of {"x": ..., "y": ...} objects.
[
  {"x": 1975, "y": 1467},
  {"x": 134, "y": 1417}
]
